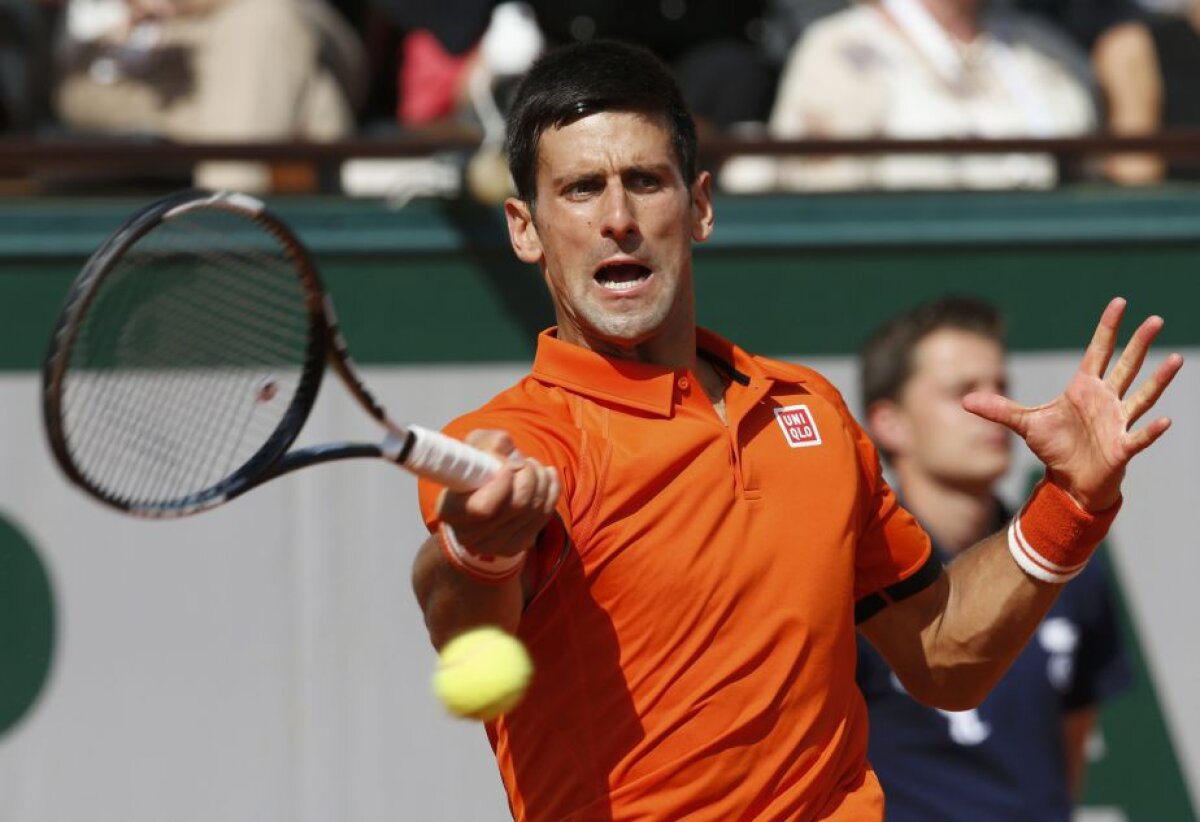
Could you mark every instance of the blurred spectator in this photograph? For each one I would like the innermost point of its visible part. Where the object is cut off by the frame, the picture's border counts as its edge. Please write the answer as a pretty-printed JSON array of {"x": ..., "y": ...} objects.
[
  {"x": 432, "y": 82},
  {"x": 786, "y": 20},
  {"x": 713, "y": 45},
  {"x": 1020, "y": 755},
  {"x": 928, "y": 69},
  {"x": 1082, "y": 20},
  {"x": 1149, "y": 73},
  {"x": 211, "y": 70},
  {"x": 25, "y": 28}
]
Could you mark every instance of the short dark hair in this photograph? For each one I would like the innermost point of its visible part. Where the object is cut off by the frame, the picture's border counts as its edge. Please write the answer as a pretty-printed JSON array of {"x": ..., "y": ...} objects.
[
  {"x": 886, "y": 359},
  {"x": 573, "y": 82}
]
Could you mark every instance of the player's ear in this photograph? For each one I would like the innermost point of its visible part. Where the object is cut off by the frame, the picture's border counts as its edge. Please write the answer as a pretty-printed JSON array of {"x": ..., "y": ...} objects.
[
  {"x": 702, "y": 207},
  {"x": 522, "y": 232},
  {"x": 888, "y": 426}
]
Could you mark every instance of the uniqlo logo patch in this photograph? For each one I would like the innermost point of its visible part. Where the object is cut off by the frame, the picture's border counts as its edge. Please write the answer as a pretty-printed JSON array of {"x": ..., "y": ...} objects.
[{"x": 799, "y": 427}]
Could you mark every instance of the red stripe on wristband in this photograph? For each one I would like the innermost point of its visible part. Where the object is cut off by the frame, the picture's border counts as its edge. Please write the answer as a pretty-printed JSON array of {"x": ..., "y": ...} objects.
[
  {"x": 481, "y": 567},
  {"x": 1052, "y": 538}
]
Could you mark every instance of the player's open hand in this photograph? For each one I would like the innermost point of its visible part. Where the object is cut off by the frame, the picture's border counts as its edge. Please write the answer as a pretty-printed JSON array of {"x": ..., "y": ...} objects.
[
  {"x": 505, "y": 515},
  {"x": 1086, "y": 436}
]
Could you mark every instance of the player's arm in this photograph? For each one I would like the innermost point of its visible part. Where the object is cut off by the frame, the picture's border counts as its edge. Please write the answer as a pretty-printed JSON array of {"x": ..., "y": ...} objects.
[
  {"x": 498, "y": 525},
  {"x": 1128, "y": 73},
  {"x": 950, "y": 642}
]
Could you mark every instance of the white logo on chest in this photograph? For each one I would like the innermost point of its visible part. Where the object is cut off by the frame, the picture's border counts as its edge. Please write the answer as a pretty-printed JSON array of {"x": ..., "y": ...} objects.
[{"x": 799, "y": 427}]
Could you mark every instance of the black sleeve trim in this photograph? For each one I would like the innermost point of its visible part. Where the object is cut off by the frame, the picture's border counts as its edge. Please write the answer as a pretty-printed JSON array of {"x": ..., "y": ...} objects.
[{"x": 872, "y": 604}]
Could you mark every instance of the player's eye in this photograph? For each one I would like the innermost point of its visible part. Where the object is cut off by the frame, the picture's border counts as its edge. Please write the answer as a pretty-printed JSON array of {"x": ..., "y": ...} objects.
[
  {"x": 583, "y": 188},
  {"x": 643, "y": 181}
]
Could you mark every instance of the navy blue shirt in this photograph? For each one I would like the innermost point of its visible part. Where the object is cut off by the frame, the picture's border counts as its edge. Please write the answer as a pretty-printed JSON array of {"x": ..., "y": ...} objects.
[{"x": 1005, "y": 760}]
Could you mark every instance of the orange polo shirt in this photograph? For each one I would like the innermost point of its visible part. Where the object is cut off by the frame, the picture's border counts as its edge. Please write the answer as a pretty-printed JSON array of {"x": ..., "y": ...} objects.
[{"x": 694, "y": 641}]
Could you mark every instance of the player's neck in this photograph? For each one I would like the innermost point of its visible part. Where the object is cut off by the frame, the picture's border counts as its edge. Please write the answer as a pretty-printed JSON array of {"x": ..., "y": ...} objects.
[
  {"x": 956, "y": 517},
  {"x": 671, "y": 345}
]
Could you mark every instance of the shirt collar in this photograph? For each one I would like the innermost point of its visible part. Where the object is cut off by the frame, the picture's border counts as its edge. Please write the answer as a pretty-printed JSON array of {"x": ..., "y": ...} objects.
[{"x": 641, "y": 386}]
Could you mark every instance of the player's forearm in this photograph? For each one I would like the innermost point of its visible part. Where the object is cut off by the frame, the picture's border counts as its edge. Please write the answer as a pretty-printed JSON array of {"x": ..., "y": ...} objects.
[
  {"x": 453, "y": 602},
  {"x": 991, "y": 609}
]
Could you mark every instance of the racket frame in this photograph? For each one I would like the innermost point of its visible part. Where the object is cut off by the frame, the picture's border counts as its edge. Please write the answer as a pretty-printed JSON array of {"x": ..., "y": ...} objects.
[
  {"x": 267, "y": 461},
  {"x": 422, "y": 451}
]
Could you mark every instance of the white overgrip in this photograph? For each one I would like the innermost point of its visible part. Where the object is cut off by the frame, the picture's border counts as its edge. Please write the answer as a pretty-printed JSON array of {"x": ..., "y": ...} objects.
[{"x": 448, "y": 461}]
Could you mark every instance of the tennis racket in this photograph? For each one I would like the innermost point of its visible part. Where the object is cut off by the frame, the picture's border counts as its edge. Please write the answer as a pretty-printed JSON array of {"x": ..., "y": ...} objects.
[{"x": 188, "y": 355}]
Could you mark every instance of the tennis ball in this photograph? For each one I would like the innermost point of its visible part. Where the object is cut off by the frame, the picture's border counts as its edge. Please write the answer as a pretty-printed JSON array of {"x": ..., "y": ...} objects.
[{"x": 482, "y": 673}]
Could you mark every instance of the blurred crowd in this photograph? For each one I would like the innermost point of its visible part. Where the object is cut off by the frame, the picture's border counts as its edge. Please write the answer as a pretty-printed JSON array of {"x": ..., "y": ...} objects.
[{"x": 261, "y": 70}]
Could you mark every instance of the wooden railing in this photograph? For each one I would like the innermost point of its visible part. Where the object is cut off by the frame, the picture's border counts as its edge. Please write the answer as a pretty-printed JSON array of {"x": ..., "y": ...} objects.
[{"x": 25, "y": 156}]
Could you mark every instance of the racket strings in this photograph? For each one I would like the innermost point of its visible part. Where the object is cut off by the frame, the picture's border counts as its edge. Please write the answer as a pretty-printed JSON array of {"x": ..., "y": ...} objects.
[
  {"x": 148, "y": 395},
  {"x": 188, "y": 358}
]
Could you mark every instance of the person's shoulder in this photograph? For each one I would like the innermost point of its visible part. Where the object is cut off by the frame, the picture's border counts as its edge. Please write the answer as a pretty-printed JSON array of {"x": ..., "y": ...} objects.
[
  {"x": 1021, "y": 28},
  {"x": 1123, "y": 44},
  {"x": 853, "y": 19},
  {"x": 858, "y": 38},
  {"x": 810, "y": 378},
  {"x": 527, "y": 402}
]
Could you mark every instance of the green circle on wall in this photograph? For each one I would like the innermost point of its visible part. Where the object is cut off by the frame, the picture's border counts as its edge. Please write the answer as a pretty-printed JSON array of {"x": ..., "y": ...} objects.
[{"x": 26, "y": 625}]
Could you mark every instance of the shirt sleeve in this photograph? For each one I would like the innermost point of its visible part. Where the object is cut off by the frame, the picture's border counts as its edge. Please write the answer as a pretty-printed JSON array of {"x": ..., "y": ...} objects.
[{"x": 895, "y": 557}]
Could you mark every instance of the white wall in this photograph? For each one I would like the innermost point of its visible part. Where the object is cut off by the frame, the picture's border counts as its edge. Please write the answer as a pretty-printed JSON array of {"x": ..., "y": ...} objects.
[{"x": 266, "y": 661}]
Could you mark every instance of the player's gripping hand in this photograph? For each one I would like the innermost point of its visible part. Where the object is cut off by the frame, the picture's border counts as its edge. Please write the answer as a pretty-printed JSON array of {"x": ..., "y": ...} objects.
[{"x": 503, "y": 517}]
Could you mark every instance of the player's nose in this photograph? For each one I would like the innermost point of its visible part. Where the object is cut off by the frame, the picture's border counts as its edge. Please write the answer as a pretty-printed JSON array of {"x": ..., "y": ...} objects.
[{"x": 619, "y": 220}]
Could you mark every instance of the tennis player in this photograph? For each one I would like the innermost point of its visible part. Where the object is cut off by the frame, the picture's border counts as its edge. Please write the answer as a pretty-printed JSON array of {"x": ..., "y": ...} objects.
[{"x": 685, "y": 533}]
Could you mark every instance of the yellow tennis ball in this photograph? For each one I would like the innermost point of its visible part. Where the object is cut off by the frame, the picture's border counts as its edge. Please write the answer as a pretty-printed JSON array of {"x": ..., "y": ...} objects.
[{"x": 482, "y": 673}]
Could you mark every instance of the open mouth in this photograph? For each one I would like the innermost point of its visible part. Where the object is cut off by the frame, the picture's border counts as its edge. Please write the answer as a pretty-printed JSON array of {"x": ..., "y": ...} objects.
[{"x": 622, "y": 276}]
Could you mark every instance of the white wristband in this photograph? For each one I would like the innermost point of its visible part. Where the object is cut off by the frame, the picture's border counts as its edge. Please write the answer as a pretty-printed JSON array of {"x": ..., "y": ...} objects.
[
  {"x": 486, "y": 567},
  {"x": 1033, "y": 563}
]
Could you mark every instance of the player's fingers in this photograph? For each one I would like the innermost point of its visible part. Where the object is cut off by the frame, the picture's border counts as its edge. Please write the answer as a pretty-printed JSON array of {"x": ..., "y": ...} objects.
[
  {"x": 494, "y": 441},
  {"x": 544, "y": 477},
  {"x": 509, "y": 533},
  {"x": 997, "y": 409},
  {"x": 1147, "y": 394},
  {"x": 1104, "y": 340},
  {"x": 484, "y": 503},
  {"x": 1130, "y": 362},
  {"x": 496, "y": 506},
  {"x": 1144, "y": 437},
  {"x": 529, "y": 486}
]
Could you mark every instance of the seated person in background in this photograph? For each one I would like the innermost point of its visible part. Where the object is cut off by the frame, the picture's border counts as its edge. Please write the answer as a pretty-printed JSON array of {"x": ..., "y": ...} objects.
[
  {"x": 928, "y": 69},
  {"x": 1082, "y": 20},
  {"x": 1020, "y": 754},
  {"x": 211, "y": 70},
  {"x": 1149, "y": 73},
  {"x": 712, "y": 46}
]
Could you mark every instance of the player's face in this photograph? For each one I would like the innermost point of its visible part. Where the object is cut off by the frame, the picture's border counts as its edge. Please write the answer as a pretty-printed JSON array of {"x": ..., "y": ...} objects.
[
  {"x": 613, "y": 229},
  {"x": 948, "y": 444}
]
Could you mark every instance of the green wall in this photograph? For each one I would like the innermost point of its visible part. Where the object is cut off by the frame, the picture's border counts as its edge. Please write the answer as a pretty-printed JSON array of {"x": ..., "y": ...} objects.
[{"x": 436, "y": 282}]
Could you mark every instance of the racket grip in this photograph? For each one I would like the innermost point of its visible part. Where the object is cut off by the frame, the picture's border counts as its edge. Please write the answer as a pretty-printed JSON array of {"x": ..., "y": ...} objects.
[{"x": 451, "y": 462}]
